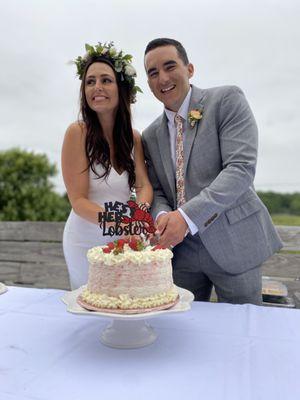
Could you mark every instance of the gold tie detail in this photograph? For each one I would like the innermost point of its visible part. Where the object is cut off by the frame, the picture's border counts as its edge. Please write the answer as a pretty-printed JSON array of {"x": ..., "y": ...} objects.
[{"x": 179, "y": 162}]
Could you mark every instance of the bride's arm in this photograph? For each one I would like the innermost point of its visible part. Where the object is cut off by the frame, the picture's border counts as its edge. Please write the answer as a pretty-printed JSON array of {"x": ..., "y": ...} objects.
[
  {"x": 76, "y": 175},
  {"x": 143, "y": 188}
]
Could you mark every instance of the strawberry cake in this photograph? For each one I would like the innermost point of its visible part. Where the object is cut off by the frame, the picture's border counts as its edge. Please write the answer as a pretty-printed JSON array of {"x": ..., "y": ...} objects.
[{"x": 129, "y": 277}]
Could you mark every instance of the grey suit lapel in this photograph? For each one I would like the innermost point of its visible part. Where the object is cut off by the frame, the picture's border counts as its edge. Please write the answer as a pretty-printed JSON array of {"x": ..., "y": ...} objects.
[
  {"x": 163, "y": 139},
  {"x": 196, "y": 102}
]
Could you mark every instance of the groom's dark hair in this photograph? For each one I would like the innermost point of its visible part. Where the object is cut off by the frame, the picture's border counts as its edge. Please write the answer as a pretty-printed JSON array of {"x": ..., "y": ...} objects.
[{"x": 168, "y": 42}]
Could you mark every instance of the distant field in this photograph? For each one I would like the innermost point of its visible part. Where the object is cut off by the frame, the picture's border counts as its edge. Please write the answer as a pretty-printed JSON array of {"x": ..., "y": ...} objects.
[{"x": 286, "y": 219}]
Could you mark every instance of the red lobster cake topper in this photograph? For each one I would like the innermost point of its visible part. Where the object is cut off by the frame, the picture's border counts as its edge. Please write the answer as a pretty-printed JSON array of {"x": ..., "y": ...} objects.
[{"x": 125, "y": 219}]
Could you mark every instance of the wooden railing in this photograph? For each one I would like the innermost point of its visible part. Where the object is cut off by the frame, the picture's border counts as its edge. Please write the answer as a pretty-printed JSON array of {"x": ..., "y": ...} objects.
[
  {"x": 31, "y": 255},
  {"x": 286, "y": 263}
]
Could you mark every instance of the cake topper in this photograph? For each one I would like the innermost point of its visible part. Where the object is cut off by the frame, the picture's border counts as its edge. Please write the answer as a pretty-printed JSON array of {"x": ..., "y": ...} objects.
[{"x": 122, "y": 219}]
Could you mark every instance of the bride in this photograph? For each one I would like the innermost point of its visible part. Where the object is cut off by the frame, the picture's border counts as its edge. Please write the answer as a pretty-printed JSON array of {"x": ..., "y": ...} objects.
[{"x": 102, "y": 156}]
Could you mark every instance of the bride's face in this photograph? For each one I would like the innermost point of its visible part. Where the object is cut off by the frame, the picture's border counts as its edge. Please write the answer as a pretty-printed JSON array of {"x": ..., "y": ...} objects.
[{"x": 101, "y": 88}]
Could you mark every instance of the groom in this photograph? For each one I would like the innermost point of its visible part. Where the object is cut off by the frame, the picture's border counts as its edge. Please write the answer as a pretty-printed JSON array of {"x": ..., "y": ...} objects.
[{"x": 201, "y": 158}]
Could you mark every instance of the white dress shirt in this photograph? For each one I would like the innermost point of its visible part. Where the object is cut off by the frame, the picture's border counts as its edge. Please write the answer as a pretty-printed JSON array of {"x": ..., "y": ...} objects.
[{"x": 183, "y": 112}]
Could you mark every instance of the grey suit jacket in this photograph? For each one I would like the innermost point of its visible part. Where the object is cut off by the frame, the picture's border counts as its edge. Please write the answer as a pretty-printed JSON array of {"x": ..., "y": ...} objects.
[{"x": 220, "y": 159}]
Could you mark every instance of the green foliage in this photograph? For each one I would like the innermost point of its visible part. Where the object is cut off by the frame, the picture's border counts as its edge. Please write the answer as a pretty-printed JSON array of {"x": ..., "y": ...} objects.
[
  {"x": 26, "y": 193},
  {"x": 295, "y": 204},
  {"x": 286, "y": 219},
  {"x": 281, "y": 203}
]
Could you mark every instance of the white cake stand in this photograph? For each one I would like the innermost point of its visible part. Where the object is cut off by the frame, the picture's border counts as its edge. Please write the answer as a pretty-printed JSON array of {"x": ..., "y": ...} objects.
[
  {"x": 3, "y": 288},
  {"x": 127, "y": 331}
]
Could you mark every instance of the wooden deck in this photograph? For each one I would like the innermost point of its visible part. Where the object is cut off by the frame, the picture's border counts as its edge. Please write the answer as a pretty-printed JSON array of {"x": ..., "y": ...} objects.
[{"x": 31, "y": 255}]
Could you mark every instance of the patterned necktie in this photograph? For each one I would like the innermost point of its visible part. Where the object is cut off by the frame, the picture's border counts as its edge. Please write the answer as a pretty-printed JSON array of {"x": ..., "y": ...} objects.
[{"x": 179, "y": 162}]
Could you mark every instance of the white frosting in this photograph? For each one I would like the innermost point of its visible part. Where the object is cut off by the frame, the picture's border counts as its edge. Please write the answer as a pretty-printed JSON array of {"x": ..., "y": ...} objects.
[
  {"x": 96, "y": 254},
  {"x": 131, "y": 279},
  {"x": 124, "y": 301}
]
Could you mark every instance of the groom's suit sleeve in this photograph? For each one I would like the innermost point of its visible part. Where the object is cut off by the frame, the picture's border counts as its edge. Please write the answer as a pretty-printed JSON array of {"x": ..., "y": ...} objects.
[
  {"x": 238, "y": 137},
  {"x": 160, "y": 201}
]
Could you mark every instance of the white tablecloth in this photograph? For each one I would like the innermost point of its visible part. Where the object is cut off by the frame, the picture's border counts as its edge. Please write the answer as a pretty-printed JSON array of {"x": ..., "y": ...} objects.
[{"x": 214, "y": 351}]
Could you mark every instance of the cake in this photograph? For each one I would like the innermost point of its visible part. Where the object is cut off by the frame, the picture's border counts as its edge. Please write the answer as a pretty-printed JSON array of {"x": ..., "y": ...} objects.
[{"x": 129, "y": 277}]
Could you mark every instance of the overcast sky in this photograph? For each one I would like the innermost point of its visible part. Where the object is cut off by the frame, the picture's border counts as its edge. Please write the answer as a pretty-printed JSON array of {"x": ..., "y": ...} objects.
[{"x": 252, "y": 44}]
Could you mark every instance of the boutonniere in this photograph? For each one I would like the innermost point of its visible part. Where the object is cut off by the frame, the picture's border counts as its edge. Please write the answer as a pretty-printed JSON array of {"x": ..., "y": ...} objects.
[{"x": 195, "y": 116}]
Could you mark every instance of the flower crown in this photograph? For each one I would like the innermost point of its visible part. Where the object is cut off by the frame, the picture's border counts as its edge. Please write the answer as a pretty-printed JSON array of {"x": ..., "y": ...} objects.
[{"x": 121, "y": 63}]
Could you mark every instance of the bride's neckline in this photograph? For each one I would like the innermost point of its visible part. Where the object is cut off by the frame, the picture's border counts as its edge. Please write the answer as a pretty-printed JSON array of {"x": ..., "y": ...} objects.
[
  {"x": 120, "y": 174},
  {"x": 112, "y": 168}
]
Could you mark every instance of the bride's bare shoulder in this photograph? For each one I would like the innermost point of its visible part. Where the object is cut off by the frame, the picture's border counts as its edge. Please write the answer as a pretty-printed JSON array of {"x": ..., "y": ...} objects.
[
  {"x": 76, "y": 129},
  {"x": 76, "y": 132}
]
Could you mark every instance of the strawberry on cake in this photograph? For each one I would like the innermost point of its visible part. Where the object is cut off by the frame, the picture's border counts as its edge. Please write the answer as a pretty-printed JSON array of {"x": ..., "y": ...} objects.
[{"x": 127, "y": 276}]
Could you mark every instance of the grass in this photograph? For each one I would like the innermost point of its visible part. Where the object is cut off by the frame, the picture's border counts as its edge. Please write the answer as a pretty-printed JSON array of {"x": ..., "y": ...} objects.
[
  {"x": 289, "y": 251},
  {"x": 286, "y": 219}
]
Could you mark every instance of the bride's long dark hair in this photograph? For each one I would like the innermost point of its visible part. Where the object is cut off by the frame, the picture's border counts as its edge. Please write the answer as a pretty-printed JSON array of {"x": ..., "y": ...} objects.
[{"x": 96, "y": 146}]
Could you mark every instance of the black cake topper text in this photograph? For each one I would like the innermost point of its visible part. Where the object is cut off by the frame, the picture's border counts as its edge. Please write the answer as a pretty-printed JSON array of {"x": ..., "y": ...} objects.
[{"x": 125, "y": 219}]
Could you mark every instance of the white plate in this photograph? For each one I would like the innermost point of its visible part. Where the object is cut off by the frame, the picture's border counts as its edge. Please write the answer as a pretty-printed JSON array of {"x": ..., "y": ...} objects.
[
  {"x": 184, "y": 304},
  {"x": 3, "y": 288}
]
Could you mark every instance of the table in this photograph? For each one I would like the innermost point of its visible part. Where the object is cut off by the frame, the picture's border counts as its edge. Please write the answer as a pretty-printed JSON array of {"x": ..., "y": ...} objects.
[{"x": 214, "y": 351}]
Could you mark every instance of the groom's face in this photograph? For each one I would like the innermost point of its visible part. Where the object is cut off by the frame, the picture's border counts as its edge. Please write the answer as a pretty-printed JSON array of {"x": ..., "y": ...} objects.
[{"x": 168, "y": 76}]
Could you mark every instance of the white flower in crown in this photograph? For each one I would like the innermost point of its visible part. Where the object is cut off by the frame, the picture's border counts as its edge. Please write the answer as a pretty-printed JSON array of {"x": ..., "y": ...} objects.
[{"x": 130, "y": 70}]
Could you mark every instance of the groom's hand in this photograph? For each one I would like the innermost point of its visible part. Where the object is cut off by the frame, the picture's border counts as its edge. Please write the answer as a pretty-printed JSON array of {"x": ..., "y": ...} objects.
[
  {"x": 161, "y": 223},
  {"x": 174, "y": 230}
]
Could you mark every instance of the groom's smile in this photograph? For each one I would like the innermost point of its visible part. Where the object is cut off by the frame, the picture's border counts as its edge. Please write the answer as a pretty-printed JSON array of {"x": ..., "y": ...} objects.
[
  {"x": 168, "y": 89},
  {"x": 168, "y": 76}
]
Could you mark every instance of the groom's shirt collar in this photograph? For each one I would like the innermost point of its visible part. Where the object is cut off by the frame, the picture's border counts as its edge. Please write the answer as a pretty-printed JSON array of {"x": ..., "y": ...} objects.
[{"x": 183, "y": 110}]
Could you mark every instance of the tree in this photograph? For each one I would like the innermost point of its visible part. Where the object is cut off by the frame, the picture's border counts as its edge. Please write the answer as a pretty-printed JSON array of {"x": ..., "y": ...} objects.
[
  {"x": 26, "y": 193},
  {"x": 281, "y": 203},
  {"x": 273, "y": 201},
  {"x": 295, "y": 204}
]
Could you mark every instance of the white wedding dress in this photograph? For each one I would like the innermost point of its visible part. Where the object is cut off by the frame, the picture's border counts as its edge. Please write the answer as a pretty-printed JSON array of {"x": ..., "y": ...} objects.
[{"x": 80, "y": 235}]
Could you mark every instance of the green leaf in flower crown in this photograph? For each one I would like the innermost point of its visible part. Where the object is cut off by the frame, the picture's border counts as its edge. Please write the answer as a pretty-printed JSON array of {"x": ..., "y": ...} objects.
[
  {"x": 127, "y": 57},
  {"x": 89, "y": 48},
  {"x": 99, "y": 48},
  {"x": 138, "y": 89}
]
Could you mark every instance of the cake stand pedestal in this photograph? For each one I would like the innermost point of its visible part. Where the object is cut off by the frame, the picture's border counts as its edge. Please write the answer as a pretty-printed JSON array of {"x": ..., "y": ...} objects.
[
  {"x": 127, "y": 331},
  {"x": 128, "y": 334}
]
